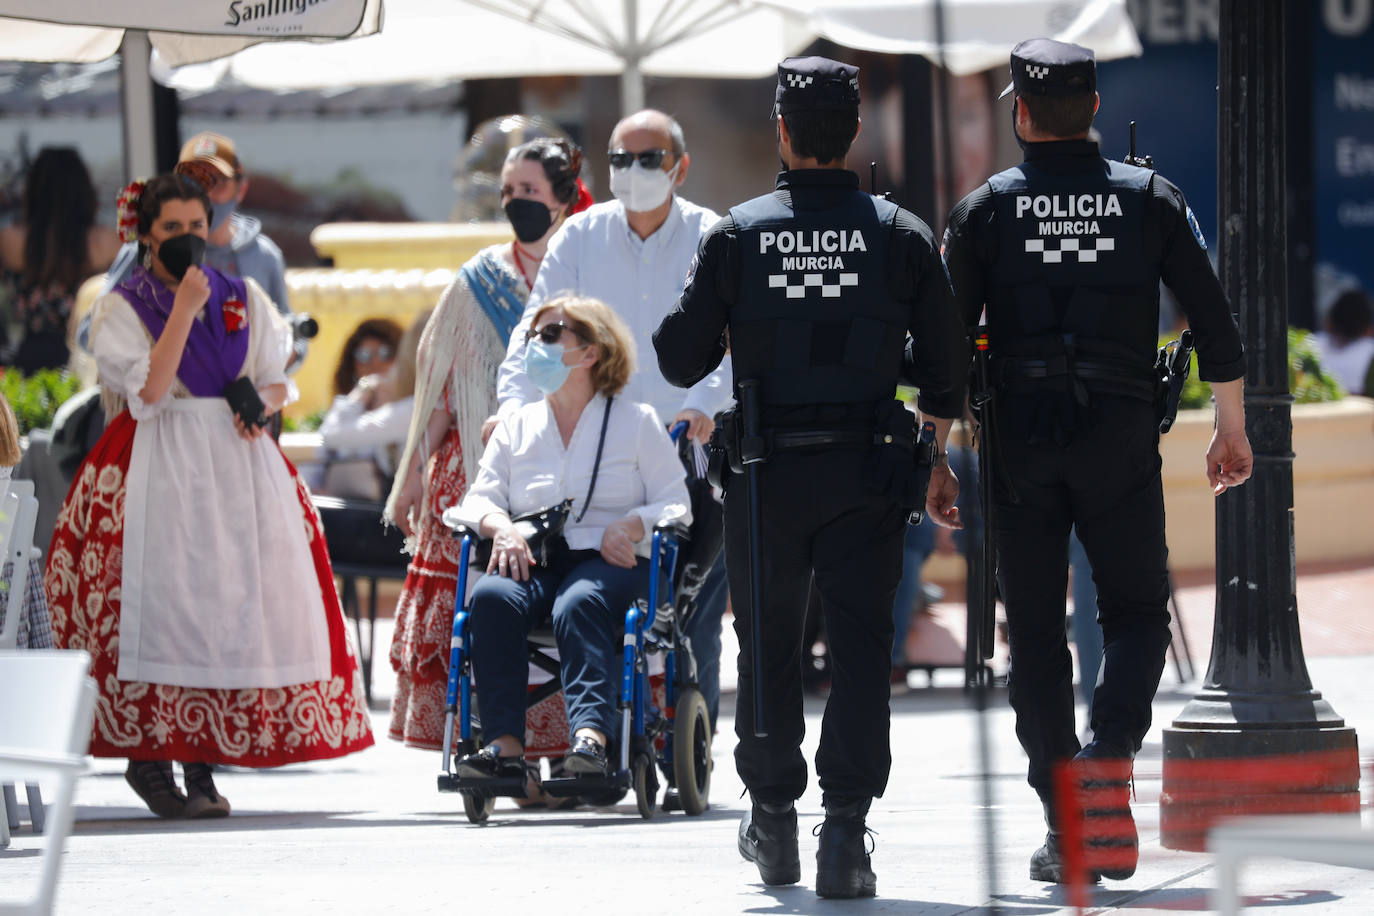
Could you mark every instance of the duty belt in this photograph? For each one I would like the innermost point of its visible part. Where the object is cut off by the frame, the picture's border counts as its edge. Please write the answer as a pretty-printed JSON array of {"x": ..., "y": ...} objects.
[
  {"x": 1120, "y": 374},
  {"x": 781, "y": 441}
]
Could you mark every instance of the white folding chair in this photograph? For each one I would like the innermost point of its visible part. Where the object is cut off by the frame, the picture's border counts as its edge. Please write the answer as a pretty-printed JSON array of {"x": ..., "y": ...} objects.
[
  {"x": 18, "y": 516},
  {"x": 1330, "y": 839},
  {"x": 47, "y": 704}
]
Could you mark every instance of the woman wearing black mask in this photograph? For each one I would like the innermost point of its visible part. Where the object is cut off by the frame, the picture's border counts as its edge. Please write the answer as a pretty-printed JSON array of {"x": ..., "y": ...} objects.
[
  {"x": 188, "y": 560},
  {"x": 460, "y": 351}
]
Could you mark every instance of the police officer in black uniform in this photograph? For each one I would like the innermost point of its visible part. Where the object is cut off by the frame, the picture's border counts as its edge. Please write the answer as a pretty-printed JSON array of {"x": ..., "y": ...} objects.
[
  {"x": 1066, "y": 252},
  {"x": 814, "y": 289}
]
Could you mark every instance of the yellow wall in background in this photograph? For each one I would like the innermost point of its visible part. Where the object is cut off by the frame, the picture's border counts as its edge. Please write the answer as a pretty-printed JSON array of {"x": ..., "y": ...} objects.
[{"x": 381, "y": 270}]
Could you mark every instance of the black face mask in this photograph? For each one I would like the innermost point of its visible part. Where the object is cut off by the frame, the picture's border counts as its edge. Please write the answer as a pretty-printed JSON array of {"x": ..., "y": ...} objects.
[
  {"x": 529, "y": 218},
  {"x": 178, "y": 253},
  {"x": 1019, "y": 142}
]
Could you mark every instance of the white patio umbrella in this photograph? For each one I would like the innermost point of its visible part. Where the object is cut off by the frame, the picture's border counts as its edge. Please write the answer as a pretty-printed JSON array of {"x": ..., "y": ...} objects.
[
  {"x": 978, "y": 34},
  {"x": 473, "y": 39},
  {"x": 182, "y": 32}
]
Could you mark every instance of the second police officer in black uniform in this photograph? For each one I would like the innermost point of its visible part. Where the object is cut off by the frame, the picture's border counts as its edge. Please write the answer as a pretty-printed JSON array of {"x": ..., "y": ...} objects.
[
  {"x": 814, "y": 288},
  {"x": 1066, "y": 252}
]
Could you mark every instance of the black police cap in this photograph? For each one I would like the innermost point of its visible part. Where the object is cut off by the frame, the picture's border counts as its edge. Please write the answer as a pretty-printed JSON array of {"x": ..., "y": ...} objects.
[
  {"x": 1043, "y": 66},
  {"x": 815, "y": 84}
]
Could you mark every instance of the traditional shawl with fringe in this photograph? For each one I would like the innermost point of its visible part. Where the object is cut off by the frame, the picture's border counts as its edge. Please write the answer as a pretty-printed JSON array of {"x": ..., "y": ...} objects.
[{"x": 462, "y": 346}]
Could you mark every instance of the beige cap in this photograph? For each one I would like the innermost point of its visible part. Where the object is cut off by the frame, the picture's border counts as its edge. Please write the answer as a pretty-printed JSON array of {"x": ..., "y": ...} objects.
[{"x": 210, "y": 149}]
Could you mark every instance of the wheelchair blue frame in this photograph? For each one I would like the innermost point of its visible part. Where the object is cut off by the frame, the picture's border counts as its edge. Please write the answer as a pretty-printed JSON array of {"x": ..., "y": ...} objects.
[{"x": 649, "y": 627}]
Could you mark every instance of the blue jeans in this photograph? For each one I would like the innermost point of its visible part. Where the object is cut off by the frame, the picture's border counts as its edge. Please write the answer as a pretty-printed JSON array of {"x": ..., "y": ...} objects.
[
  {"x": 1087, "y": 632},
  {"x": 704, "y": 632},
  {"x": 917, "y": 546},
  {"x": 588, "y": 599}
]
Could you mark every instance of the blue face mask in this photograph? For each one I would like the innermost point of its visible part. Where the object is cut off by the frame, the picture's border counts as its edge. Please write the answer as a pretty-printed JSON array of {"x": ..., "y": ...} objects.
[{"x": 544, "y": 365}]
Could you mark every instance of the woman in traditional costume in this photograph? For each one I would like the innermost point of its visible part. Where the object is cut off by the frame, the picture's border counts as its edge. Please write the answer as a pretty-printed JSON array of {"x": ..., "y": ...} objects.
[
  {"x": 460, "y": 351},
  {"x": 187, "y": 559}
]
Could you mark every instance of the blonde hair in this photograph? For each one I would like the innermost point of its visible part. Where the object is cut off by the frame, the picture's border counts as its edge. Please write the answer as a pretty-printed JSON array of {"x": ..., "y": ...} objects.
[
  {"x": 597, "y": 323},
  {"x": 403, "y": 369},
  {"x": 9, "y": 436}
]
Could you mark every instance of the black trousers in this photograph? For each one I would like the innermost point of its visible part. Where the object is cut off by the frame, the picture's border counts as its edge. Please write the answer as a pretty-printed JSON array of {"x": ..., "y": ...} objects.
[
  {"x": 1107, "y": 482},
  {"x": 818, "y": 514}
]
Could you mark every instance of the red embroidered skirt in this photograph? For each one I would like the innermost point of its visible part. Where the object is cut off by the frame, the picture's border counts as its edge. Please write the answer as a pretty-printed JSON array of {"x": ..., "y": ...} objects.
[{"x": 253, "y": 727}]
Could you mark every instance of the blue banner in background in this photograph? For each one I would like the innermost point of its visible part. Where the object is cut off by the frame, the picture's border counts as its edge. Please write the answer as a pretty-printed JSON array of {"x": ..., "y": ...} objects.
[
  {"x": 1171, "y": 93},
  {"x": 1343, "y": 144}
]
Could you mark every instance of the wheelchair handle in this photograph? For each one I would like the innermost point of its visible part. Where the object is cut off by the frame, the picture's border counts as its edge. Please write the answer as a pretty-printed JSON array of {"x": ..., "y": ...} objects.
[{"x": 678, "y": 430}]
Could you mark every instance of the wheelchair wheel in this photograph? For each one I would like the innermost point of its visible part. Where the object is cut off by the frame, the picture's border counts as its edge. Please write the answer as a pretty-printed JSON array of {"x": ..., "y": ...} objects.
[
  {"x": 692, "y": 751},
  {"x": 478, "y": 809},
  {"x": 645, "y": 780}
]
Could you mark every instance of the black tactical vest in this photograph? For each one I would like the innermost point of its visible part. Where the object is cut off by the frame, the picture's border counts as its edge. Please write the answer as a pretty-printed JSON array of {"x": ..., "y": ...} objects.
[
  {"x": 816, "y": 321},
  {"x": 1071, "y": 267}
]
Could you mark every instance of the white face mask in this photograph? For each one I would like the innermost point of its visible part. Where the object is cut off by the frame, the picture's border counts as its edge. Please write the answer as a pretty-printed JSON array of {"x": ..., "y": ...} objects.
[{"x": 641, "y": 189}]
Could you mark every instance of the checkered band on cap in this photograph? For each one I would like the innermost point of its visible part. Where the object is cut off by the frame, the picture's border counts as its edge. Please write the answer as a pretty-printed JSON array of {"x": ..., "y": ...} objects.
[{"x": 816, "y": 84}]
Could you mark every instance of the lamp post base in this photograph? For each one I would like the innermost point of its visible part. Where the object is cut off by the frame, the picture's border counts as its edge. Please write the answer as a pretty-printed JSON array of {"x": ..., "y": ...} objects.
[{"x": 1213, "y": 772}]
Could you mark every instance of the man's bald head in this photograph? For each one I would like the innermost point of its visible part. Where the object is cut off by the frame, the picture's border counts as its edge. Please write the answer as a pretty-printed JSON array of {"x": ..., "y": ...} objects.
[{"x": 651, "y": 120}]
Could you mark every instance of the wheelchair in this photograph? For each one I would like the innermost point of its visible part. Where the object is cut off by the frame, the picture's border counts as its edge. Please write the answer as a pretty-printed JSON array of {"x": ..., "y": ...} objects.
[{"x": 674, "y": 736}]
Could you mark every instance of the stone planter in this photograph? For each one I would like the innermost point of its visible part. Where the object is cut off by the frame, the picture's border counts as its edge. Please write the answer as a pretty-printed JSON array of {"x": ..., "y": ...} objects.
[{"x": 1333, "y": 486}]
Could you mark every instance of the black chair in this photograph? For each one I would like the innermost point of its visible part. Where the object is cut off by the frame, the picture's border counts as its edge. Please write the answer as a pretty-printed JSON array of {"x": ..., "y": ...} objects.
[{"x": 361, "y": 547}]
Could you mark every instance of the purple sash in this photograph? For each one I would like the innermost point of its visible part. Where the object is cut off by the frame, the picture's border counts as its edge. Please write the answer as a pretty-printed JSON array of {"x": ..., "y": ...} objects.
[{"x": 213, "y": 356}]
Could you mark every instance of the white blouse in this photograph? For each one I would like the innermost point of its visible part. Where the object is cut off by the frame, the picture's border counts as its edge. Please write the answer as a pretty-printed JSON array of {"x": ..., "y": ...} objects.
[{"x": 526, "y": 468}]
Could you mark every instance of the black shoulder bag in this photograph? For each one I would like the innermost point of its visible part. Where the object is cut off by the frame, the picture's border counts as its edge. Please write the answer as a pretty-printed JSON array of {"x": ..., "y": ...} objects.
[{"x": 542, "y": 529}]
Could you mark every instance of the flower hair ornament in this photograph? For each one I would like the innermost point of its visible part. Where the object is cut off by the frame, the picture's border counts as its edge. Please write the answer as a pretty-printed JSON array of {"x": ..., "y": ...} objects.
[
  {"x": 126, "y": 211},
  {"x": 583, "y": 198}
]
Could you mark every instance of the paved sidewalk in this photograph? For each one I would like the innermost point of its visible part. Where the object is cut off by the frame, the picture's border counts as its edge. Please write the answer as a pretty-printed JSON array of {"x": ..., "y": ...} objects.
[{"x": 369, "y": 833}]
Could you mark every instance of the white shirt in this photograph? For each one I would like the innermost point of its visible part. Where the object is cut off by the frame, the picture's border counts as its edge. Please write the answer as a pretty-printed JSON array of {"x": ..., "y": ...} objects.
[
  {"x": 351, "y": 430},
  {"x": 525, "y": 468},
  {"x": 1348, "y": 362},
  {"x": 597, "y": 254}
]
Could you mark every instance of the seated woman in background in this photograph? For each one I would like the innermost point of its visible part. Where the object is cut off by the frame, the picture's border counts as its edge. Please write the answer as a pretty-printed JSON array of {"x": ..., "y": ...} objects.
[
  {"x": 614, "y": 460},
  {"x": 46, "y": 257},
  {"x": 369, "y": 350},
  {"x": 188, "y": 560},
  {"x": 369, "y": 425}
]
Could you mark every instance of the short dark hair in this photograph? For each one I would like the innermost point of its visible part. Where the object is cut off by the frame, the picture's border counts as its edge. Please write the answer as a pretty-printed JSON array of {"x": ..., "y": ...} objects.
[
  {"x": 1061, "y": 115},
  {"x": 562, "y": 162},
  {"x": 822, "y": 134},
  {"x": 1350, "y": 316},
  {"x": 161, "y": 189}
]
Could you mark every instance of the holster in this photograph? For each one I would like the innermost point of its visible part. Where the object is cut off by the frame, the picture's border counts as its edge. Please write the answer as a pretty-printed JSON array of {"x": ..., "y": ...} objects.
[
  {"x": 723, "y": 450},
  {"x": 895, "y": 469}
]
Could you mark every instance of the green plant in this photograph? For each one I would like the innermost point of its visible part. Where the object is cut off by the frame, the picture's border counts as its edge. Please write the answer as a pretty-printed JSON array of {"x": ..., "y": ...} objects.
[
  {"x": 1307, "y": 380},
  {"x": 36, "y": 398},
  {"x": 306, "y": 424}
]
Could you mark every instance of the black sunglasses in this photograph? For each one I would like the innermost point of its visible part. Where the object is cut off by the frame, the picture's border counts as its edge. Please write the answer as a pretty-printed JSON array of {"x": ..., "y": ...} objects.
[
  {"x": 650, "y": 158},
  {"x": 550, "y": 333}
]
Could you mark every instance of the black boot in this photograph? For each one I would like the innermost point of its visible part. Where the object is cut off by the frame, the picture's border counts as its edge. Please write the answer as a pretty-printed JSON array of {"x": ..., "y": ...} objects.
[
  {"x": 843, "y": 867},
  {"x": 1102, "y": 774},
  {"x": 768, "y": 838},
  {"x": 1047, "y": 863}
]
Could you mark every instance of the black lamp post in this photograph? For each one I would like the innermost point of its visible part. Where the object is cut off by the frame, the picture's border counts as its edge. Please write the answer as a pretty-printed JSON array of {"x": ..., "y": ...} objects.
[{"x": 1258, "y": 738}]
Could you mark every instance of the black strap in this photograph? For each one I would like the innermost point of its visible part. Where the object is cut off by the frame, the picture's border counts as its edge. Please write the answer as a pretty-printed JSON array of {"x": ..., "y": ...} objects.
[
  {"x": 781, "y": 441},
  {"x": 596, "y": 468}
]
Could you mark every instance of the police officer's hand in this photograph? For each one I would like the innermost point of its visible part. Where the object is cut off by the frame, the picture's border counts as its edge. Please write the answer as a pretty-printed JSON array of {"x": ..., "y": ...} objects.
[
  {"x": 940, "y": 496},
  {"x": 699, "y": 425},
  {"x": 1229, "y": 460},
  {"x": 618, "y": 543},
  {"x": 510, "y": 555}
]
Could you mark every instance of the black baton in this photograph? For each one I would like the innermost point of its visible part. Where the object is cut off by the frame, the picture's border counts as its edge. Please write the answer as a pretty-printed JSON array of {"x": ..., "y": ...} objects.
[{"x": 751, "y": 453}]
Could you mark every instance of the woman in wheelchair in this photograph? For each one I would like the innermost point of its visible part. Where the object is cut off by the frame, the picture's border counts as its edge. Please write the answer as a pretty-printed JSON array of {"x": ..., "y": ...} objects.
[{"x": 612, "y": 458}]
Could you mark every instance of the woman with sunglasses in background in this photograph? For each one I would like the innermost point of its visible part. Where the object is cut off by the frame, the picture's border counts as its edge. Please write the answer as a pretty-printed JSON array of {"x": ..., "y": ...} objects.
[
  {"x": 187, "y": 559},
  {"x": 612, "y": 458},
  {"x": 460, "y": 350}
]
